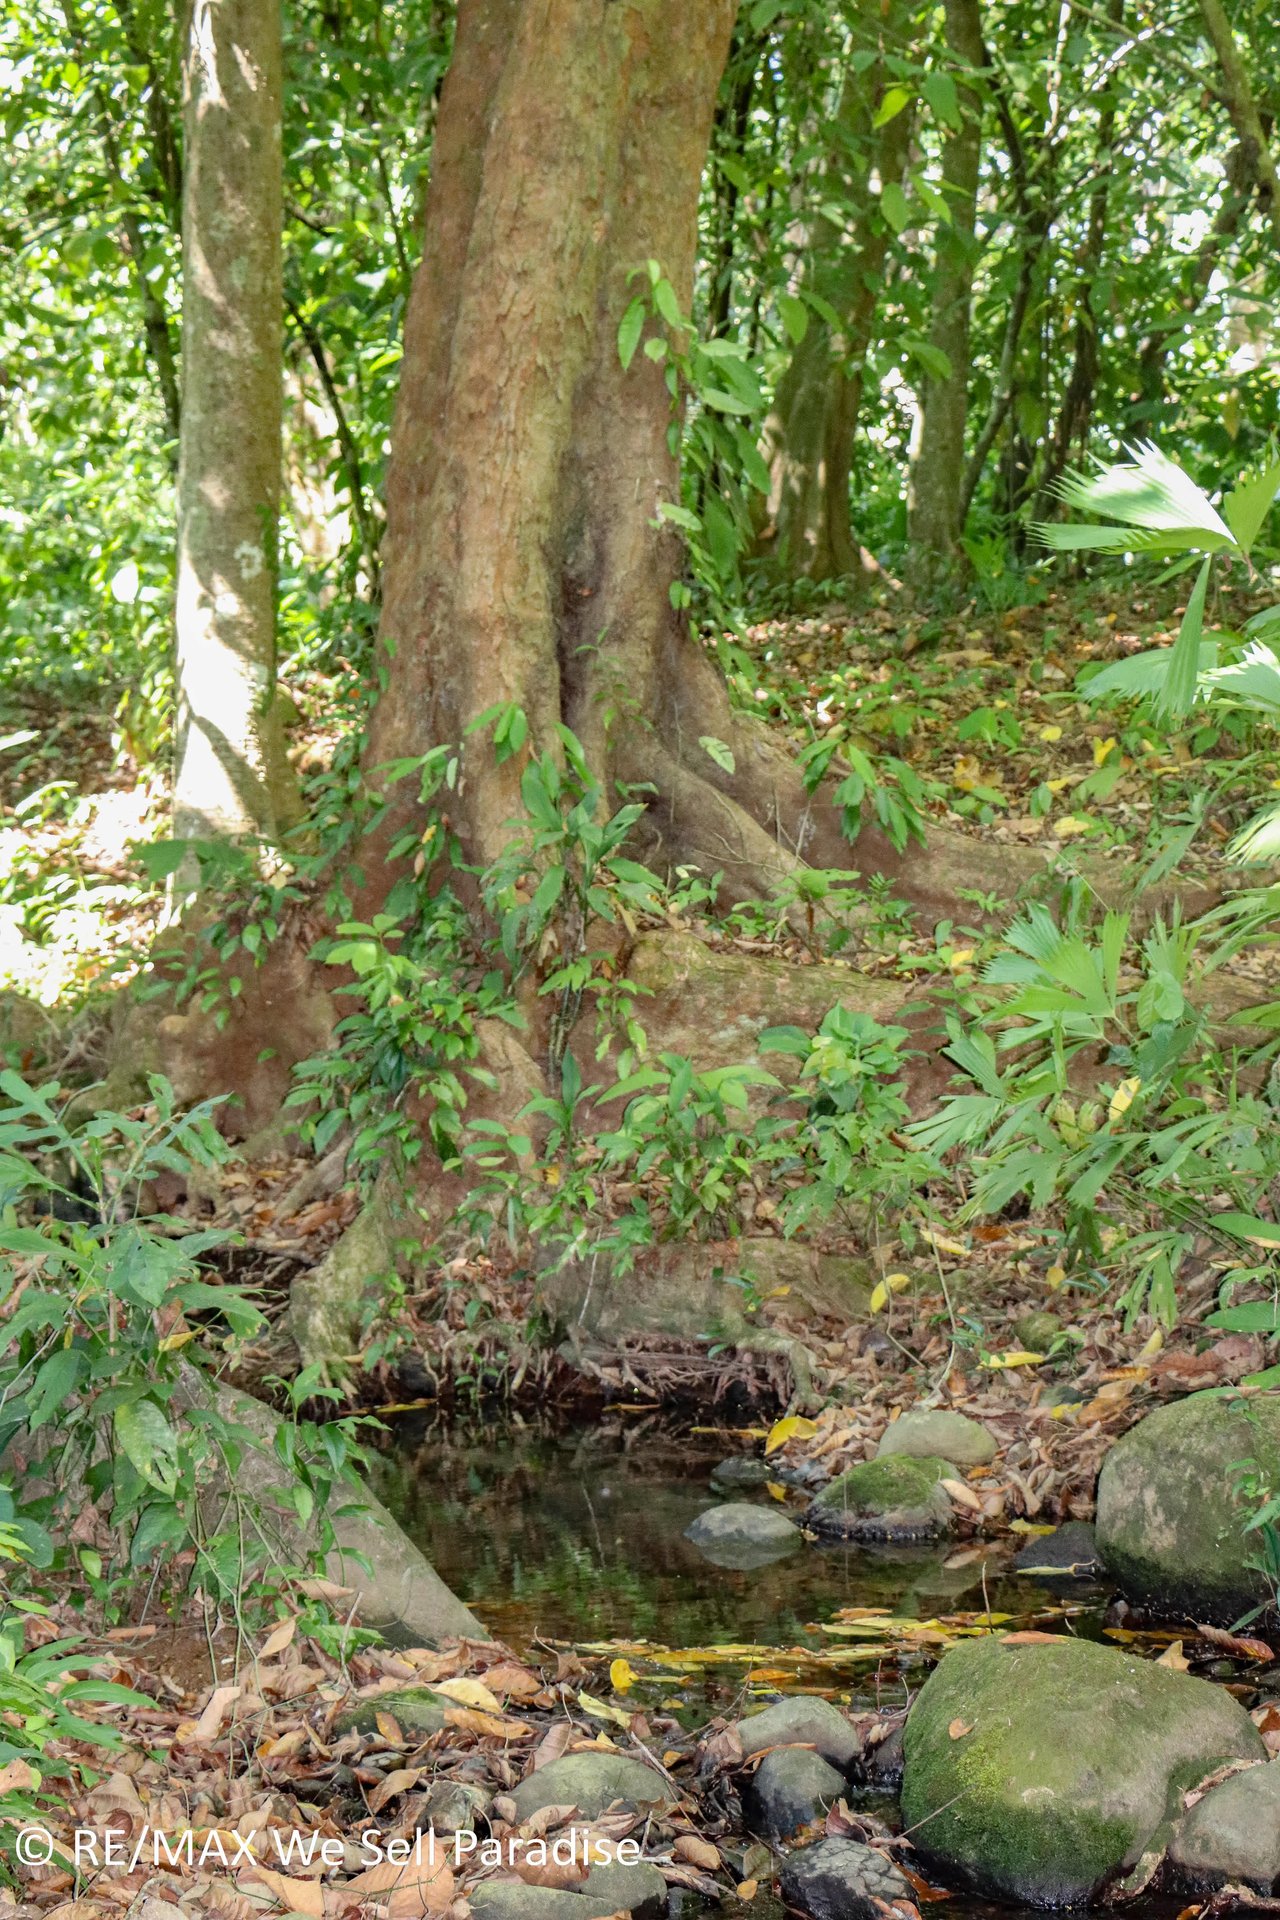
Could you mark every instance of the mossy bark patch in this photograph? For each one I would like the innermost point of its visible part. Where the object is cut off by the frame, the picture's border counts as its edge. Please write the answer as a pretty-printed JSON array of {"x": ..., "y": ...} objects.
[
  {"x": 895, "y": 1497},
  {"x": 1037, "y": 1772},
  {"x": 1170, "y": 1519}
]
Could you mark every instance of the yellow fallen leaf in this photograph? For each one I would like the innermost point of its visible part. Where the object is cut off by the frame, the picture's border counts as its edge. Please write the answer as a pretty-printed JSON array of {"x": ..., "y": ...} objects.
[
  {"x": 469, "y": 1693},
  {"x": 943, "y": 1242},
  {"x": 1173, "y": 1657},
  {"x": 747, "y": 1889},
  {"x": 960, "y": 958},
  {"x": 1063, "y": 780},
  {"x": 601, "y": 1710},
  {"x": 1029, "y": 1526},
  {"x": 1123, "y": 1097},
  {"x": 962, "y": 1495},
  {"x": 775, "y": 1489},
  {"x": 1152, "y": 1346},
  {"x": 1054, "y": 1278},
  {"x": 968, "y": 773},
  {"x": 884, "y": 1290},
  {"x": 1101, "y": 749},
  {"x": 1050, "y": 734},
  {"x": 172, "y": 1341},
  {"x": 793, "y": 1427},
  {"x": 1070, "y": 825},
  {"x": 1017, "y": 1358},
  {"x": 622, "y": 1676},
  {"x": 958, "y": 1729}
]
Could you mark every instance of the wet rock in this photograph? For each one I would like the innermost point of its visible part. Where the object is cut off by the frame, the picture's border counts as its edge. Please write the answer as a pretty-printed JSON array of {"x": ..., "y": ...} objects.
[
  {"x": 882, "y": 1764},
  {"x": 741, "y": 1536},
  {"x": 935, "y": 1433},
  {"x": 1070, "y": 1552},
  {"x": 841, "y": 1880},
  {"x": 791, "y": 1787},
  {"x": 591, "y": 1782},
  {"x": 1036, "y": 1772},
  {"x": 741, "y": 1470},
  {"x": 414, "y": 1709},
  {"x": 639, "y": 1889},
  {"x": 1170, "y": 1522},
  {"x": 1233, "y": 1833},
  {"x": 803, "y": 1720},
  {"x": 895, "y": 1498}
]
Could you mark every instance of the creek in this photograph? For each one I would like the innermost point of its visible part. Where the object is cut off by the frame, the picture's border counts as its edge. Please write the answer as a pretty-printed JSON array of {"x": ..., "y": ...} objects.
[{"x": 576, "y": 1537}]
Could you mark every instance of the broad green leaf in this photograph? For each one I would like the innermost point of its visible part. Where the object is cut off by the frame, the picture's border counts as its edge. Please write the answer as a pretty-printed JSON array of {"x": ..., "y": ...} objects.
[
  {"x": 630, "y": 327},
  {"x": 895, "y": 99},
  {"x": 148, "y": 1442},
  {"x": 1247, "y": 505},
  {"x": 718, "y": 750},
  {"x": 1178, "y": 694},
  {"x": 894, "y": 206},
  {"x": 795, "y": 317}
]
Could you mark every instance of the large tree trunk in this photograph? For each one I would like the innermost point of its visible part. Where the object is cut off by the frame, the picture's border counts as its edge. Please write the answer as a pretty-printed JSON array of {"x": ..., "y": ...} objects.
[
  {"x": 522, "y": 560},
  {"x": 809, "y": 435},
  {"x": 231, "y": 777},
  {"x": 937, "y": 480}
]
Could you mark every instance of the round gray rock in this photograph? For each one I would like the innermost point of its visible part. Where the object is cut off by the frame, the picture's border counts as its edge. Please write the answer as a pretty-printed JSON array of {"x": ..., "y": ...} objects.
[
  {"x": 1233, "y": 1833},
  {"x": 740, "y": 1470},
  {"x": 898, "y": 1497},
  {"x": 935, "y": 1433},
  {"x": 1035, "y": 1773},
  {"x": 591, "y": 1782},
  {"x": 790, "y": 1788},
  {"x": 802, "y": 1720},
  {"x": 740, "y": 1536},
  {"x": 1170, "y": 1523},
  {"x": 840, "y": 1880}
]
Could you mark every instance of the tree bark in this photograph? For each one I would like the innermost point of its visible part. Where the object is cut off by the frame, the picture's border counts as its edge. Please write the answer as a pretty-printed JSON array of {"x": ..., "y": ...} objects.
[
  {"x": 522, "y": 561},
  {"x": 1243, "y": 108},
  {"x": 809, "y": 434},
  {"x": 232, "y": 777},
  {"x": 1071, "y": 432},
  {"x": 937, "y": 480}
]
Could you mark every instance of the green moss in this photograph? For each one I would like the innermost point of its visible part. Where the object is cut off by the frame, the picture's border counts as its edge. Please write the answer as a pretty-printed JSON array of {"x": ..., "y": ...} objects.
[
  {"x": 1036, "y": 1772},
  {"x": 894, "y": 1496},
  {"x": 415, "y": 1710},
  {"x": 1170, "y": 1522}
]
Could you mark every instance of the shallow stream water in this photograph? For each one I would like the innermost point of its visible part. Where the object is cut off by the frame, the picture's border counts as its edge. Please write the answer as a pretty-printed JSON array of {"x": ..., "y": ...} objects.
[{"x": 577, "y": 1537}]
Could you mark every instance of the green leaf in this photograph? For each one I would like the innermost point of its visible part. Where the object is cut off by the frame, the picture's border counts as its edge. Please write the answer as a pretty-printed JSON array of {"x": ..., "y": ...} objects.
[
  {"x": 719, "y": 751},
  {"x": 939, "y": 89},
  {"x": 630, "y": 327},
  {"x": 1256, "y": 1316},
  {"x": 55, "y": 1383},
  {"x": 795, "y": 317},
  {"x": 895, "y": 99},
  {"x": 1178, "y": 694},
  {"x": 893, "y": 205},
  {"x": 1248, "y": 504},
  {"x": 1246, "y": 1226},
  {"x": 148, "y": 1442}
]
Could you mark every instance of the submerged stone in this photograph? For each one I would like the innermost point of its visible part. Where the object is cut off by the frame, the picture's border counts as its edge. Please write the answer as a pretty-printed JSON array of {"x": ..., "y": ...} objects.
[
  {"x": 741, "y": 1470},
  {"x": 1070, "y": 1552},
  {"x": 936, "y": 1433},
  {"x": 1037, "y": 1772},
  {"x": 1170, "y": 1519},
  {"x": 898, "y": 1497},
  {"x": 741, "y": 1536}
]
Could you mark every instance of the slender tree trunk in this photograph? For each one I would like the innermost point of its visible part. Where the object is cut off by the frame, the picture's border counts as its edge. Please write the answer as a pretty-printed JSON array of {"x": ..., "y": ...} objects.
[
  {"x": 1243, "y": 108},
  {"x": 1071, "y": 432},
  {"x": 1239, "y": 183},
  {"x": 809, "y": 436},
  {"x": 232, "y": 777},
  {"x": 937, "y": 480}
]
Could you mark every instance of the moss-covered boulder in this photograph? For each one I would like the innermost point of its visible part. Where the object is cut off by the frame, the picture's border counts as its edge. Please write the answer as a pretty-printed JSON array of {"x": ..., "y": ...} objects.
[
  {"x": 895, "y": 1497},
  {"x": 415, "y": 1710},
  {"x": 1170, "y": 1521},
  {"x": 1036, "y": 1772},
  {"x": 938, "y": 1433},
  {"x": 801, "y": 1720},
  {"x": 1232, "y": 1834}
]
